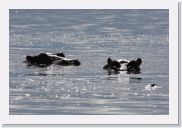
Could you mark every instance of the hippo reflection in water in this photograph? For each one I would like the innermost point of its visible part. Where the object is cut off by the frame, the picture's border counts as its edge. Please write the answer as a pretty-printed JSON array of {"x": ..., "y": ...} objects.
[
  {"x": 123, "y": 65},
  {"x": 46, "y": 59}
]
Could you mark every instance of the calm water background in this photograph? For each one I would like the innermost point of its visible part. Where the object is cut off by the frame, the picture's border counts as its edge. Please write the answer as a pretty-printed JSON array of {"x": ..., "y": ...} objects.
[{"x": 91, "y": 36}]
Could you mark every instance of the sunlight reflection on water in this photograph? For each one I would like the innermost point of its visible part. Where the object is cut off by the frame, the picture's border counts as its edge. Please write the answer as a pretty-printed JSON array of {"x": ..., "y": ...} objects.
[{"x": 91, "y": 36}]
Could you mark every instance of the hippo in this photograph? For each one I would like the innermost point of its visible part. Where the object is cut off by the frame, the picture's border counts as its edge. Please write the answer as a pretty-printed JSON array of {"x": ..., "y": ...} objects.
[
  {"x": 46, "y": 59},
  {"x": 132, "y": 66}
]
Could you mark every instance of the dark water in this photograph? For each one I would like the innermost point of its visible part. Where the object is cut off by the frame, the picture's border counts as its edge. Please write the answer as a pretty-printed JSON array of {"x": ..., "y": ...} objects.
[{"x": 91, "y": 36}]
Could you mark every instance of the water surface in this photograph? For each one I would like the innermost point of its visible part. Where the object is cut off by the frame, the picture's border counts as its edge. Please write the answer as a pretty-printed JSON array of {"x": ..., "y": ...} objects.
[{"x": 91, "y": 36}]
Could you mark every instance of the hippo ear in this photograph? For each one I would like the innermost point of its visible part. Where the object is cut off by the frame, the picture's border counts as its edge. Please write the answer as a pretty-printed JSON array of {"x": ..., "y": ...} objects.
[
  {"x": 109, "y": 60},
  {"x": 139, "y": 61},
  {"x": 60, "y": 54}
]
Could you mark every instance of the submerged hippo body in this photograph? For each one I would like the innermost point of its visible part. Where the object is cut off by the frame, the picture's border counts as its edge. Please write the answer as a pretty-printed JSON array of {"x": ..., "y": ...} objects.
[
  {"x": 46, "y": 59},
  {"x": 123, "y": 65}
]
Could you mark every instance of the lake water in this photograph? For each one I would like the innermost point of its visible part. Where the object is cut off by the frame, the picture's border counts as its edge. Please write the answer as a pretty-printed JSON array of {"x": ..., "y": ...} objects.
[{"x": 91, "y": 36}]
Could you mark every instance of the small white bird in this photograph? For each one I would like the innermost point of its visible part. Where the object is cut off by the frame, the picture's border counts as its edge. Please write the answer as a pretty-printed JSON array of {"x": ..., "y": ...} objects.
[{"x": 151, "y": 87}]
